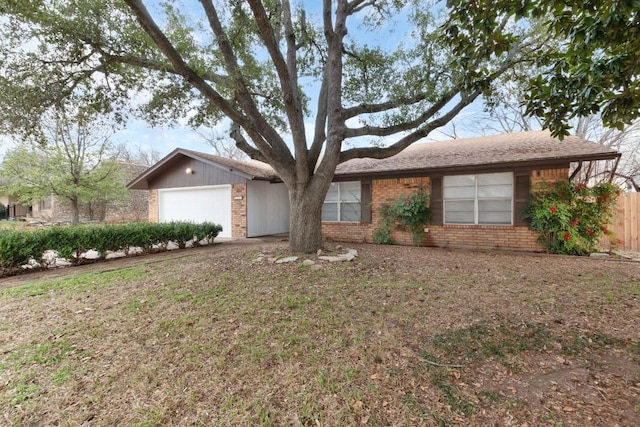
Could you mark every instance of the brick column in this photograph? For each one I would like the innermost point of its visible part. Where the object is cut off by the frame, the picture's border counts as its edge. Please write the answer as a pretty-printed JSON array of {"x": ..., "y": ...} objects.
[
  {"x": 239, "y": 210},
  {"x": 154, "y": 208}
]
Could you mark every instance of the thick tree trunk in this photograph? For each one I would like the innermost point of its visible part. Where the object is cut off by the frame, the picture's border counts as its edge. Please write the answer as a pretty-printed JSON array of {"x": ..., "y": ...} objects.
[{"x": 305, "y": 226}]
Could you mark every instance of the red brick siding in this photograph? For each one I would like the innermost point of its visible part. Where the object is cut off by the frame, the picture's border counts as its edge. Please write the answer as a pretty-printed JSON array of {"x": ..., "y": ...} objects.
[
  {"x": 452, "y": 236},
  {"x": 553, "y": 175},
  {"x": 382, "y": 191},
  {"x": 154, "y": 207},
  {"x": 239, "y": 210},
  {"x": 483, "y": 237}
]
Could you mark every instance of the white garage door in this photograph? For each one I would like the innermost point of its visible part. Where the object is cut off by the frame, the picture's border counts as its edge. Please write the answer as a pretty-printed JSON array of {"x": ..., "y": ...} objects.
[{"x": 197, "y": 204}]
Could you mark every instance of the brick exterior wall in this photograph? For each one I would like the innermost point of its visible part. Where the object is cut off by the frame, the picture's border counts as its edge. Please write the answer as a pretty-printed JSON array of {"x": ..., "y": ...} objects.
[
  {"x": 382, "y": 191},
  {"x": 483, "y": 237},
  {"x": 239, "y": 210},
  {"x": 553, "y": 175},
  {"x": 451, "y": 236},
  {"x": 154, "y": 207}
]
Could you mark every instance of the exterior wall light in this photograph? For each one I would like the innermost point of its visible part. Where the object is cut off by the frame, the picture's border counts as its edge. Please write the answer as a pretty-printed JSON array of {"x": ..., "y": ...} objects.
[{"x": 189, "y": 171}]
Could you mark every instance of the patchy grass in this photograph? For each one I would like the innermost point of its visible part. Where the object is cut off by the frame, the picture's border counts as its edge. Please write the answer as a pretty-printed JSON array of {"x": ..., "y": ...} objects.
[
  {"x": 12, "y": 225},
  {"x": 401, "y": 336},
  {"x": 84, "y": 282}
]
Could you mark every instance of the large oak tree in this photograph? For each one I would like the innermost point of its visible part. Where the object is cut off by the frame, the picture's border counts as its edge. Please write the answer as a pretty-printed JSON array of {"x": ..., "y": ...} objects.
[{"x": 268, "y": 67}]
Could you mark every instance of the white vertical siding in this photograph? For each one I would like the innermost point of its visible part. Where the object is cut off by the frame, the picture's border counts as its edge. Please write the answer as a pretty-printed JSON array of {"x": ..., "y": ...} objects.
[{"x": 267, "y": 208}]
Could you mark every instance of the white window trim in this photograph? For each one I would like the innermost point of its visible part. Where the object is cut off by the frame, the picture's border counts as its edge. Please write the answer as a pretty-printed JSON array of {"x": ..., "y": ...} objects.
[
  {"x": 339, "y": 202},
  {"x": 475, "y": 204}
]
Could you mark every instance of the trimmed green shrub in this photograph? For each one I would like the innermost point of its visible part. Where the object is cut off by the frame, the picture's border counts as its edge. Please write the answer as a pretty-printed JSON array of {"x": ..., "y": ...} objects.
[{"x": 18, "y": 247}]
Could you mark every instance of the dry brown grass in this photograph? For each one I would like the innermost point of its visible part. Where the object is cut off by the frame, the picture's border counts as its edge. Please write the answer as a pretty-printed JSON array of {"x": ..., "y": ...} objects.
[{"x": 212, "y": 337}]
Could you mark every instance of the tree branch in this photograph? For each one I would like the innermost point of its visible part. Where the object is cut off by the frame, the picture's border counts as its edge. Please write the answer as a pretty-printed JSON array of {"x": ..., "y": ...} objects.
[
  {"x": 236, "y": 134},
  {"x": 319, "y": 134},
  {"x": 390, "y": 130},
  {"x": 380, "y": 153},
  {"x": 287, "y": 71},
  {"x": 162, "y": 42},
  {"x": 270, "y": 142}
]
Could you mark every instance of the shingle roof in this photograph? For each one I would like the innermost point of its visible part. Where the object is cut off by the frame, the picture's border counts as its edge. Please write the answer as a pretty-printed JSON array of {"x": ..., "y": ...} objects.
[
  {"x": 488, "y": 150},
  {"x": 508, "y": 150}
]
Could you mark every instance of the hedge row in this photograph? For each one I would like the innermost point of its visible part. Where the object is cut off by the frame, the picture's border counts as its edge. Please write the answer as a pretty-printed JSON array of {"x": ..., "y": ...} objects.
[{"x": 19, "y": 247}]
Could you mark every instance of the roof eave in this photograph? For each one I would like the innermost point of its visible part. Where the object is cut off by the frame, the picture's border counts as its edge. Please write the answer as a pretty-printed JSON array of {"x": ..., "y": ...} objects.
[{"x": 446, "y": 170}]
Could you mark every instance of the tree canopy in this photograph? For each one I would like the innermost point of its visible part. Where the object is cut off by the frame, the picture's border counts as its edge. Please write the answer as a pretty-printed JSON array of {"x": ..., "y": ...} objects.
[
  {"x": 302, "y": 86},
  {"x": 590, "y": 64},
  {"x": 74, "y": 164}
]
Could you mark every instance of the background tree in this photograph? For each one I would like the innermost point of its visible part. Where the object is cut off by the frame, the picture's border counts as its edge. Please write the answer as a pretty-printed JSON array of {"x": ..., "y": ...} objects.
[
  {"x": 268, "y": 67},
  {"x": 221, "y": 144},
  {"x": 133, "y": 153},
  {"x": 590, "y": 66},
  {"x": 505, "y": 112},
  {"x": 74, "y": 163}
]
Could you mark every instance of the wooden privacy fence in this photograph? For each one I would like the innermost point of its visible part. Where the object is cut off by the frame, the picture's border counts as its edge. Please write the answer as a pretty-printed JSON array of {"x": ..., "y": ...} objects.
[{"x": 625, "y": 224}]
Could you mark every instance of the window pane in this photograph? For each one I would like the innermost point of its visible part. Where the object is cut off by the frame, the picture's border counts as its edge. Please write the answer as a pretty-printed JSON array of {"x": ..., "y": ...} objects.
[
  {"x": 329, "y": 211},
  {"x": 459, "y": 192},
  {"x": 460, "y": 180},
  {"x": 458, "y": 212},
  {"x": 459, "y": 187},
  {"x": 350, "y": 191},
  {"x": 350, "y": 212},
  {"x": 332, "y": 194},
  {"x": 495, "y": 191},
  {"x": 494, "y": 212},
  {"x": 495, "y": 178}
]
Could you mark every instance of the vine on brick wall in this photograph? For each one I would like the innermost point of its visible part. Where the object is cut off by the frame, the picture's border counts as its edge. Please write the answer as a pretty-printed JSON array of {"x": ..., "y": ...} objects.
[{"x": 407, "y": 212}]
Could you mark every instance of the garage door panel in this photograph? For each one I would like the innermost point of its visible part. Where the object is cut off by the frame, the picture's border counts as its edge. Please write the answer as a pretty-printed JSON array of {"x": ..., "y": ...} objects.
[{"x": 197, "y": 204}]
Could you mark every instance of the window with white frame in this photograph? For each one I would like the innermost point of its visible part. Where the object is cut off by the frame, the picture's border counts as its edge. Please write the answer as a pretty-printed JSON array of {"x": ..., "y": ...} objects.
[
  {"x": 478, "y": 199},
  {"x": 343, "y": 202}
]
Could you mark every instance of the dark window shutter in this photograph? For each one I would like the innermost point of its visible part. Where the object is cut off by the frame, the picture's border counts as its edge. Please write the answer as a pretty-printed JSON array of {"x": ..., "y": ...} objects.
[
  {"x": 436, "y": 201},
  {"x": 521, "y": 197},
  {"x": 365, "y": 202}
]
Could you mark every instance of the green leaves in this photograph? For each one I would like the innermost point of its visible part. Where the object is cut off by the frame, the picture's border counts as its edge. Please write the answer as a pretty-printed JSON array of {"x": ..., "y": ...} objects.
[
  {"x": 19, "y": 247},
  {"x": 410, "y": 212},
  {"x": 570, "y": 218},
  {"x": 589, "y": 61},
  {"x": 75, "y": 162}
]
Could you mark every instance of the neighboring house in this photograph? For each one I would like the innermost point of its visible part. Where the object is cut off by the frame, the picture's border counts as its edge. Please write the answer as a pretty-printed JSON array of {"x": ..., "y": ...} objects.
[
  {"x": 14, "y": 210},
  {"x": 135, "y": 207},
  {"x": 478, "y": 189}
]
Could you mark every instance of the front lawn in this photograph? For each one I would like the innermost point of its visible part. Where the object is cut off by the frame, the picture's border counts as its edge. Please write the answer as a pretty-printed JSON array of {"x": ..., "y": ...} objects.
[{"x": 401, "y": 336}]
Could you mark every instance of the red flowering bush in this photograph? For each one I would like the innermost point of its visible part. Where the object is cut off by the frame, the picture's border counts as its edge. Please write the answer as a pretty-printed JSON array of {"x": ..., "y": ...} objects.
[{"x": 570, "y": 218}]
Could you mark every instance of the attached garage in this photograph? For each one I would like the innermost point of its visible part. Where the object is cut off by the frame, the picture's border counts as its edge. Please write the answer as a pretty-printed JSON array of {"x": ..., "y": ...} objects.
[
  {"x": 246, "y": 198},
  {"x": 197, "y": 204}
]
